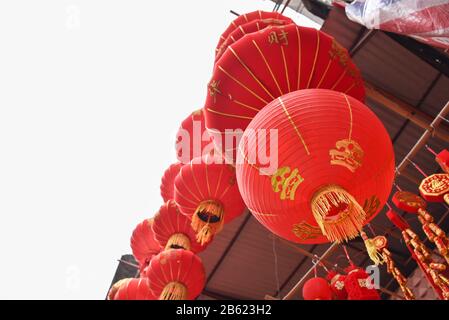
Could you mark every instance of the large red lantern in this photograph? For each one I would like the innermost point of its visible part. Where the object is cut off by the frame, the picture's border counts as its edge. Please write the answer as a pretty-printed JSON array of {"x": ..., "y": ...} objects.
[
  {"x": 267, "y": 64},
  {"x": 316, "y": 289},
  {"x": 168, "y": 181},
  {"x": 173, "y": 230},
  {"x": 246, "y": 18},
  {"x": 131, "y": 289},
  {"x": 208, "y": 194},
  {"x": 192, "y": 138},
  {"x": 335, "y": 166},
  {"x": 176, "y": 275},
  {"x": 143, "y": 244},
  {"x": 249, "y": 27}
]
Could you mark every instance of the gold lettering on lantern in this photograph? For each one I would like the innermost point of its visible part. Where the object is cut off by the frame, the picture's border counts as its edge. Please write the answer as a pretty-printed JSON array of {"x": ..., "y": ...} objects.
[
  {"x": 305, "y": 231},
  {"x": 278, "y": 38},
  {"x": 286, "y": 181},
  {"x": 213, "y": 88},
  {"x": 370, "y": 206},
  {"x": 347, "y": 153}
]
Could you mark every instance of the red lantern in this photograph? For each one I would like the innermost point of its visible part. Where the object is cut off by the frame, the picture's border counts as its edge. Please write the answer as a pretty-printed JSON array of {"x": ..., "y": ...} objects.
[
  {"x": 248, "y": 17},
  {"x": 172, "y": 229},
  {"x": 168, "y": 181},
  {"x": 246, "y": 28},
  {"x": 335, "y": 167},
  {"x": 270, "y": 63},
  {"x": 316, "y": 289},
  {"x": 442, "y": 159},
  {"x": 337, "y": 285},
  {"x": 359, "y": 285},
  {"x": 208, "y": 194},
  {"x": 143, "y": 243},
  {"x": 176, "y": 275},
  {"x": 192, "y": 138},
  {"x": 131, "y": 289}
]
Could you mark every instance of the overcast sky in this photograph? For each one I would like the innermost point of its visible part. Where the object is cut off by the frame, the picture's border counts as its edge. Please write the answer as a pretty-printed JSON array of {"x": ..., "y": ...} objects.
[{"x": 91, "y": 95}]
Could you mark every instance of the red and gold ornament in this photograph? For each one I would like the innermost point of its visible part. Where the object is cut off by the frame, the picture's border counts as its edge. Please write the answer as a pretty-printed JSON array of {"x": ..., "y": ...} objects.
[
  {"x": 131, "y": 289},
  {"x": 316, "y": 289},
  {"x": 143, "y": 244},
  {"x": 435, "y": 188}
]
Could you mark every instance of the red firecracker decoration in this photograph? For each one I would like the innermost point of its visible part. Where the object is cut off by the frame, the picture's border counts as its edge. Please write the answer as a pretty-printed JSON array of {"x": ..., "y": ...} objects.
[
  {"x": 243, "y": 19},
  {"x": 176, "y": 275},
  {"x": 316, "y": 289},
  {"x": 143, "y": 244},
  {"x": 442, "y": 159},
  {"x": 208, "y": 194},
  {"x": 173, "y": 230},
  {"x": 267, "y": 64},
  {"x": 337, "y": 285},
  {"x": 334, "y": 172},
  {"x": 359, "y": 285},
  {"x": 131, "y": 289},
  {"x": 192, "y": 138},
  {"x": 168, "y": 181}
]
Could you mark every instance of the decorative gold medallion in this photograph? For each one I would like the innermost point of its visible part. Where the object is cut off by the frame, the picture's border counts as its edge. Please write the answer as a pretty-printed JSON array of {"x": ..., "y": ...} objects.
[
  {"x": 305, "y": 231},
  {"x": 435, "y": 185},
  {"x": 347, "y": 153},
  {"x": 286, "y": 181},
  {"x": 380, "y": 242}
]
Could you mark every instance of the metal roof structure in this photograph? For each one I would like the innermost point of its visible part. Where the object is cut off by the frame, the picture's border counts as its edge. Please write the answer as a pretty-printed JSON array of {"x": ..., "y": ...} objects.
[{"x": 407, "y": 90}]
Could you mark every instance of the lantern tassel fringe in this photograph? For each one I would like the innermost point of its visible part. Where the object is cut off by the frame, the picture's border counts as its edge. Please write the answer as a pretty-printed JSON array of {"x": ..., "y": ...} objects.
[
  {"x": 178, "y": 241},
  {"x": 350, "y": 220},
  {"x": 174, "y": 291},
  {"x": 205, "y": 228},
  {"x": 373, "y": 252}
]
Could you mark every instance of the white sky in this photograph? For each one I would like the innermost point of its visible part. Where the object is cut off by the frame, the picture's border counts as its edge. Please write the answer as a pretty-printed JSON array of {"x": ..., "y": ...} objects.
[{"x": 91, "y": 95}]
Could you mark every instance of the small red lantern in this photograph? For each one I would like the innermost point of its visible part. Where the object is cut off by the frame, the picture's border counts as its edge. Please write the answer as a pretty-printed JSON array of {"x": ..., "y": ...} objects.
[
  {"x": 131, "y": 289},
  {"x": 208, "y": 194},
  {"x": 335, "y": 167},
  {"x": 168, "y": 181},
  {"x": 267, "y": 64},
  {"x": 173, "y": 230},
  {"x": 176, "y": 275},
  {"x": 337, "y": 285},
  {"x": 248, "y": 17},
  {"x": 442, "y": 159},
  {"x": 359, "y": 285},
  {"x": 316, "y": 289},
  {"x": 143, "y": 244},
  {"x": 192, "y": 138}
]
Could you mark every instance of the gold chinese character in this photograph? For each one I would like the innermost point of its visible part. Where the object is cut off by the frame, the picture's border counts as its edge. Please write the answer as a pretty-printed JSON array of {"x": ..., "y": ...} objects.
[
  {"x": 278, "y": 38},
  {"x": 286, "y": 181}
]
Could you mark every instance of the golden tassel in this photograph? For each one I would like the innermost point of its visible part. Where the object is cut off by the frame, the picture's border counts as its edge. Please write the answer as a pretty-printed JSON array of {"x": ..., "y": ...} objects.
[
  {"x": 338, "y": 214},
  {"x": 178, "y": 241},
  {"x": 207, "y": 220},
  {"x": 374, "y": 254},
  {"x": 174, "y": 291}
]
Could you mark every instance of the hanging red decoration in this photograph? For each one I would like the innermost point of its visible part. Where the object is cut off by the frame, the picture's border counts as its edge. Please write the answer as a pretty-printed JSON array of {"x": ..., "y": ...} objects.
[
  {"x": 208, "y": 194},
  {"x": 143, "y": 244},
  {"x": 173, "y": 230},
  {"x": 168, "y": 181},
  {"x": 435, "y": 188},
  {"x": 316, "y": 289},
  {"x": 335, "y": 167},
  {"x": 246, "y": 18},
  {"x": 408, "y": 201},
  {"x": 192, "y": 138},
  {"x": 131, "y": 289},
  {"x": 267, "y": 64},
  {"x": 176, "y": 274},
  {"x": 397, "y": 220},
  {"x": 246, "y": 28},
  {"x": 442, "y": 159},
  {"x": 337, "y": 285},
  {"x": 359, "y": 285}
]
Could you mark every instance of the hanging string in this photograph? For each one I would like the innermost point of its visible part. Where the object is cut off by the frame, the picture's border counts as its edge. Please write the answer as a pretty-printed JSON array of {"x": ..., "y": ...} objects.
[
  {"x": 276, "y": 268},
  {"x": 315, "y": 262},
  {"x": 347, "y": 255},
  {"x": 388, "y": 205},
  {"x": 417, "y": 168},
  {"x": 430, "y": 150},
  {"x": 371, "y": 229}
]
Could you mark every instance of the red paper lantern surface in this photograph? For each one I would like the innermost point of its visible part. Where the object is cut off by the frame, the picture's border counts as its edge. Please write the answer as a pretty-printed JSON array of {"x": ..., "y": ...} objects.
[
  {"x": 143, "y": 244},
  {"x": 337, "y": 285},
  {"x": 264, "y": 65},
  {"x": 176, "y": 274},
  {"x": 244, "y": 19},
  {"x": 173, "y": 230},
  {"x": 208, "y": 194},
  {"x": 168, "y": 181},
  {"x": 246, "y": 28},
  {"x": 132, "y": 289},
  {"x": 359, "y": 285},
  {"x": 316, "y": 289},
  {"x": 192, "y": 138},
  {"x": 335, "y": 167},
  {"x": 442, "y": 159},
  {"x": 408, "y": 201}
]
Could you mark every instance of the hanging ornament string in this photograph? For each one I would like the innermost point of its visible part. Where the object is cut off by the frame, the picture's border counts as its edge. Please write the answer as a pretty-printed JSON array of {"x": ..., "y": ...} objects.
[
  {"x": 417, "y": 168},
  {"x": 276, "y": 268},
  {"x": 431, "y": 150}
]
